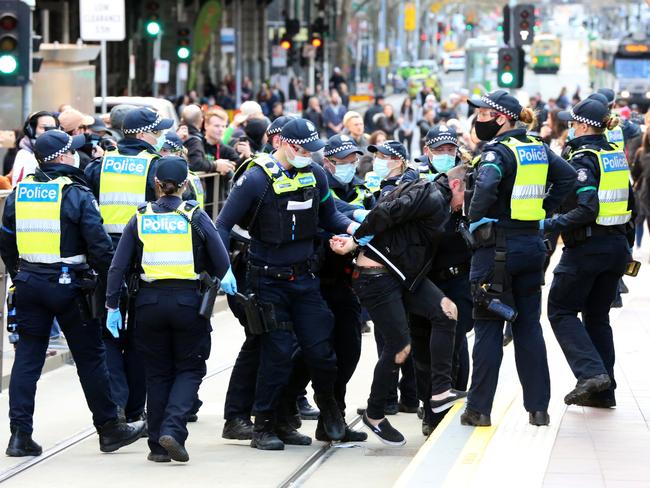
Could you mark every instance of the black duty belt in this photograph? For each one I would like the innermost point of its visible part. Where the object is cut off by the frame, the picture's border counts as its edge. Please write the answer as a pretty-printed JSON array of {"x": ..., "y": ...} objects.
[
  {"x": 450, "y": 272},
  {"x": 615, "y": 230},
  {"x": 288, "y": 273},
  {"x": 369, "y": 271},
  {"x": 163, "y": 284}
]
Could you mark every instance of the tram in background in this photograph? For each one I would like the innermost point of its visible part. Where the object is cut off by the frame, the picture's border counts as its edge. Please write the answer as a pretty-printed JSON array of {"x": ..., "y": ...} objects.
[
  {"x": 546, "y": 54},
  {"x": 624, "y": 66}
]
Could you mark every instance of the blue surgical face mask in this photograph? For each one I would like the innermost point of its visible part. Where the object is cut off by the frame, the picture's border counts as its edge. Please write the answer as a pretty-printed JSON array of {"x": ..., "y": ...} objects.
[
  {"x": 442, "y": 162},
  {"x": 160, "y": 142},
  {"x": 380, "y": 166},
  {"x": 299, "y": 161},
  {"x": 345, "y": 172},
  {"x": 571, "y": 134}
]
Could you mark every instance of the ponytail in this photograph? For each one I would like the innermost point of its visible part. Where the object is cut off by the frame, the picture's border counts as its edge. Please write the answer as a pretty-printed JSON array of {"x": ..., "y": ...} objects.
[
  {"x": 168, "y": 187},
  {"x": 611, "y": 122},
  {"x": 528, "y": 117}
]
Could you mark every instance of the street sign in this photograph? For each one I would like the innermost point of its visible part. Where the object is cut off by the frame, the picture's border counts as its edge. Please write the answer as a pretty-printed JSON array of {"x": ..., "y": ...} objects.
[
  {"x": 181, "y": 71},
  {"x": 308, "y": 51},
  {"x": 409, "y": 17},
  {"x": 102, "y": 20},
  {"x": 383, "y": 58},
  {"x": 227, "y": 40},
  {"x": 278, "y": 57},
  {"x": 161, "y": 72}
]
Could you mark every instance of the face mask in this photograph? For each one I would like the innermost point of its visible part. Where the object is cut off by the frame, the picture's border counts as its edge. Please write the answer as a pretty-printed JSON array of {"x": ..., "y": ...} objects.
[
  {"x": 571, "y": 134},
  {"x": 299, "y": 161},
  {"x": 345, "y": 172},
  {"x": 380, "y": 166},
  {"x": 443, "y": 162},
  {"x": 160, "y": 142},
  {"x": 486, "y": 131},
  {"x": 76, "y": 159}
]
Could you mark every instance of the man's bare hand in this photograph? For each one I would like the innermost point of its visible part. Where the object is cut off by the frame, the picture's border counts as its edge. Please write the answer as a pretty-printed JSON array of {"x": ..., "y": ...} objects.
[
  {"x": 342, "y": 245},
  {"x": 449, "y": 308},
  {"x": 183, "y": 132},
  {"x": 224, "y": 166}
]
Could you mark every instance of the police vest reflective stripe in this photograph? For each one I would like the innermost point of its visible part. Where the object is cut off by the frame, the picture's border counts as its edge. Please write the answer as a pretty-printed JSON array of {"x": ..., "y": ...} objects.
[
  {"x": 122, "y": 187},
  {"x": 615, "y": 138},
  {"x": 529, "y": 188},
  {"x": 613, "y": 188},
  {"x": 281, "y": 182},
  {"x": 373, "y": 181},
  {"x": 197, "y": 187},
  {"x": 360, "y": 195},
  {"x": 167, "y": 252},
  {"x": 425, "y": 173},
  {"x": 38, "y": 219}
]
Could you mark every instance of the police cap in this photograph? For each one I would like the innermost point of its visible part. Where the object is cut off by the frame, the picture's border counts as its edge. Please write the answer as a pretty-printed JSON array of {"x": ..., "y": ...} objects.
[
  {"x": 54, "y": 143},
  {"x": 341, "y": 146},
  {"x": 144, "y": 120},
  {"x": 172, "y": 168}
]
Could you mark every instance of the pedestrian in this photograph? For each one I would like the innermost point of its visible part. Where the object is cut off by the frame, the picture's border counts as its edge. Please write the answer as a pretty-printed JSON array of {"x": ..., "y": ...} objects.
[
  {"x": 508, "y": 198},
  {"x": 35, "y": 125},
  {"x": 406, "y": 123},
  {"x": 597, "y": 241},
  {"x": 640, "y": 172},
  {"x": 51, "y": 240},
  {"x": 172, "y": 325},
  {"x": 387, "y": 122},
  {"x": 333, "y": 115},
  {"x": 314, "y": 114},
  {"x": 289, "y": 210}
]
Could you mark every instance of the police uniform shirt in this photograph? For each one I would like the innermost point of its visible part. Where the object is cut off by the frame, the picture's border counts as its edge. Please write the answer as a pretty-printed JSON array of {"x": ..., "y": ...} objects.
[
  {"x": 581, "y": 206},
  {"x": 81, "y": 223},
  {"x": 209, "y": 256},
  {"x": 244, "y": 199},
  {"x": 495, "y": 178}
]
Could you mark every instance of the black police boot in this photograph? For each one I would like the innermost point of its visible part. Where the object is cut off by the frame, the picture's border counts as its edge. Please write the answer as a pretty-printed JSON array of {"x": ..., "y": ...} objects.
[
  {"x": 115, "y": 434},
  {"x": 21, "y": 444},
  {"x": 291, "y": 436},
  {"x": 586, "y": 387},
  {"x": 264, "y": 437},
  {"x": 350, "y": 435},
  {"x": 427, "y": 428},
  {"x": 174, "y": 448},
  {"x": 477, "y": 419},
  {"x": 238, "y": 429},
  {"x": 598, "y": 401},
  {"x": 159, "y": 458},
  {"x": 307, "y": 411},
  {"x": 539, "y": 418},
  {"x": 333, "y": 421}
]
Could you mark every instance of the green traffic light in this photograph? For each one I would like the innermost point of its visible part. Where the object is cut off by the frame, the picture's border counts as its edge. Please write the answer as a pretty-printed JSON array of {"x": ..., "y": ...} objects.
[
  {"x": 507, "y": 78},
  {"x": 469, "y": 27},
  {"x": 183, "y": 52},
  {"x": 153, "y": 28},
  {"x": 8, "y": 64}
]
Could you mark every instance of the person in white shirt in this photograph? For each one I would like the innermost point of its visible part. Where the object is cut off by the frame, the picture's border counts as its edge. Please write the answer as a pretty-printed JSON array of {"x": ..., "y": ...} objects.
[{"x": 25, "y": 162}]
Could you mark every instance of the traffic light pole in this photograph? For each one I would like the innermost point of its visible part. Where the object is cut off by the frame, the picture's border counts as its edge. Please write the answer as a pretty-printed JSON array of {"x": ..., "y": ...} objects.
[
  {"x": 156, "y": 57},
  {"x": 103, "y": 74}
]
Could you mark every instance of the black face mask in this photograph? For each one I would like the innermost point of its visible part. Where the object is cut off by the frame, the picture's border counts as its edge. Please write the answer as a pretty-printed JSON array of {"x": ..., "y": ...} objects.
[{"x": 486, "y": 131}]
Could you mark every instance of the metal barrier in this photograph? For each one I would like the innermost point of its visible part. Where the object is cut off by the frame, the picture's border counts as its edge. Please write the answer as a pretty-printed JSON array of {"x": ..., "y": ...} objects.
[{"x": 216, "y": 189}]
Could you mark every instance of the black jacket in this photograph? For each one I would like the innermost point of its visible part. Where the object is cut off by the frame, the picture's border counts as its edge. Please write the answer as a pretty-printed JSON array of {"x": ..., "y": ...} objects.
[
  {"x": 407, "y": 223},
  {"x": 196, "y": 158},
  {"x": 82, "y": 231}
]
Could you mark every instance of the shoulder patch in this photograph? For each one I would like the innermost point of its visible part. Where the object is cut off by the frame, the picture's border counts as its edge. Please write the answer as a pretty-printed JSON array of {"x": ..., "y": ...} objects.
[
  {"x": 241, "y": 180},
  {"x": 582, "y": 175},
  {"x": 490, "y": 156}
]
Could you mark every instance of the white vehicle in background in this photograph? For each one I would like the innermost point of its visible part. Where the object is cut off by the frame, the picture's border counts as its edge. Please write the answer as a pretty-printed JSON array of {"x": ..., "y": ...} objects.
[
  {"x": 164, "y": 107},
  {"x": 453, "y": 61}
]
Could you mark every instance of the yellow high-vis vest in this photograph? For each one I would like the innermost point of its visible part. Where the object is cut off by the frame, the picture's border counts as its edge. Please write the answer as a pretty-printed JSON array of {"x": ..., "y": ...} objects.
[
  {"x": 122, "y": 187},
  {"x": 38, "y": 219},
  {"x": 197, "y": 186},
  {"x": 615, "y": 138},
  {"x": 613, "y": 188},
  {"x": 529, "y": 189},
  {"x": 360, "y": 195},
  {"x": 166, "y": 244}
]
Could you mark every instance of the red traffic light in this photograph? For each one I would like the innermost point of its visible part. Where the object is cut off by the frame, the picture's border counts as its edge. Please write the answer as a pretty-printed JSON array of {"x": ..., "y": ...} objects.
[
  {"x": 8, "y": 22},
  {"x": 423, "y": 37},
  {"x": 507, "y": 58}
]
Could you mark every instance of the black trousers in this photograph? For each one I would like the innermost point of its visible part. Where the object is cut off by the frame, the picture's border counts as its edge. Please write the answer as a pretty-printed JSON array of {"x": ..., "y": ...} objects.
[
  {"x": 39, "y": 299},
  {"x": 388, "y": 303},
  {"x": 175, "y": 344}
]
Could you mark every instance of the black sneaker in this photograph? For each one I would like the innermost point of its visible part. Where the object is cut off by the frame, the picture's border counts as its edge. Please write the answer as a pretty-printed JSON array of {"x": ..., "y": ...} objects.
[
  {"x": 159, "y": 458},
  {"x": 238, "y": 429},
  {"x": 407, "y": 408},
  {"x": 175, "y": 449},
  {"x": 387, "y": 433},
  {"x": 307, "y": 410},
  {"x": 441, "y": 405}
]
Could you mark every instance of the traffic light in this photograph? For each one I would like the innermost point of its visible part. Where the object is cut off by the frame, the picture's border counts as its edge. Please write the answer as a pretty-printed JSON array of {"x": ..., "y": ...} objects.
[
  {"x": 152, "y": 25},
  {"x": 510, "y": 70},
  {"x": 183, "y": 44},
  {"x": 523, "y": 24},
  {"x": 15, "y": 43},
  {"x": 469, "y": 26},
  {"x": 285, "y": 43}
]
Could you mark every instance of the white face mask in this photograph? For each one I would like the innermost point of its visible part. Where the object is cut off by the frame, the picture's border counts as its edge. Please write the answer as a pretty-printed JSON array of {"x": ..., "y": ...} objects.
[
  {"x": 299, "y": 161},
  {"x": 76, "y": 159}
]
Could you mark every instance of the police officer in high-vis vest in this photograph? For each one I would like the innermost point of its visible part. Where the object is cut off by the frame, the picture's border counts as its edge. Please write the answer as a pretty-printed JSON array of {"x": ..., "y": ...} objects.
[
  {"x": 626, "y": 130},
  {"x": 173, "y": 146},
  {"x": 51, "y": 241},
  {"x": 509, "y": 198},
  {"x": 284, "y": 197},
  {"x": 440, "y": 154},
  {"x": 123, "y": 180},
  {"x": 594, "y": 226},
  {"x": 172, "y": 242}
]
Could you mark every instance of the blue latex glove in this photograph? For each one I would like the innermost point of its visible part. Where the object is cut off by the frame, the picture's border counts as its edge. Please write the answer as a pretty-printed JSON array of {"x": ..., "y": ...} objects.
[
  {"x": 229, "y": 283},
  {"x": 354, "y": 227},
  {"x": 362, "y": 241},
  {"x": 475, "y": 225},
  {"x": 360, "y": 214},
  {"x": 541, "y": 224},
  {"x": 114, "y": 322}
]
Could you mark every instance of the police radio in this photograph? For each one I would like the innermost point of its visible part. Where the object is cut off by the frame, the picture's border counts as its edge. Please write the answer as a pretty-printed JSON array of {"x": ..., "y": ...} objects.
[{"x": 632, "y": 268}]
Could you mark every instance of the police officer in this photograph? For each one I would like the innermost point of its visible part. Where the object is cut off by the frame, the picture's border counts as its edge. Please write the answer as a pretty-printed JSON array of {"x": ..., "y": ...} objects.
[
  {"x": 449, "y": 272},
  {"x": 594, "y": 225},
  {"x": 121, "y": 181},
  {"x": 51, "y": 239},
  {"x": 626, "y": 130},
  {"x": 509, "y": 198},
  {"x": 171, "y": 242},
  {"x": 173, "y": 146},
  {"x": 285, "y": 197}
]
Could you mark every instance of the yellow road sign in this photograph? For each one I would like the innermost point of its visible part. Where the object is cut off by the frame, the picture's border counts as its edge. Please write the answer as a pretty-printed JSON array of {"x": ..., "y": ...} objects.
[
  {"x": 409, "y": 17},
  {"x": 383, "y": 58}
]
